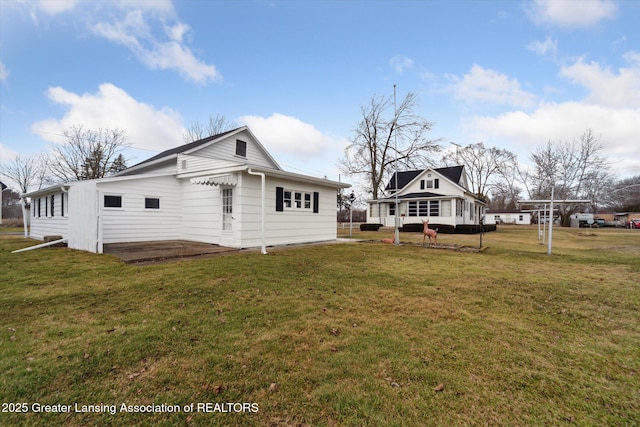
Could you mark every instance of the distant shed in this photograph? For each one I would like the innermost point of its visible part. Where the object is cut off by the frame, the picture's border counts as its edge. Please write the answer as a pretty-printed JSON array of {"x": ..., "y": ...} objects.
[{"x": 514, "y": 216}]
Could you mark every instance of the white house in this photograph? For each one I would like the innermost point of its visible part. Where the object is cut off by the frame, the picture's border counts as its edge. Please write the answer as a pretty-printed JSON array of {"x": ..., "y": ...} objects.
[
  {"x": 440, "y": 195},
  {"x": 225, "y": 190},
  {"x": 506, "y": 216}
]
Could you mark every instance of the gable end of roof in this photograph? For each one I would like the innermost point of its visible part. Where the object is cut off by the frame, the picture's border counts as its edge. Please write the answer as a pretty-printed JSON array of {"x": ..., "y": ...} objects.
[
  {"x": 183, "y": 148},
  {"x": 452, "y": 173}
]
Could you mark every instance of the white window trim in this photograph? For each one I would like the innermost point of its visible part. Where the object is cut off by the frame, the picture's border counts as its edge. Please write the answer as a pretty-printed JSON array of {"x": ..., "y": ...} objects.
[{"x": 293, "y": 199}]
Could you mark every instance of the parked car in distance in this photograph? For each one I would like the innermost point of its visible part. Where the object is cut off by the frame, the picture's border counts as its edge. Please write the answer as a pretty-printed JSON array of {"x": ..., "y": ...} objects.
[
  {"x": 599, "y": 222},
  {"x": 634, "y": 223}
]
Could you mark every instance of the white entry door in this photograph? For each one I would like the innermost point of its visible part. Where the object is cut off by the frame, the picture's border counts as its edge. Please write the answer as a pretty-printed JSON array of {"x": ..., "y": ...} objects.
[{"x": 227, "y": 209}]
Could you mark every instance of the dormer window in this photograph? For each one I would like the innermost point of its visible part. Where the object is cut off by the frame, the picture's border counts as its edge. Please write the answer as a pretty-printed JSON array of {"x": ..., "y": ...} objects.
[{"x": 241, "y": 148}]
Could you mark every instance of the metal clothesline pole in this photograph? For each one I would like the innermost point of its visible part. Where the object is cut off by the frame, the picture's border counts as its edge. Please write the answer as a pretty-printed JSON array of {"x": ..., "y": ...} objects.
[{"x": 395, "y": 138}]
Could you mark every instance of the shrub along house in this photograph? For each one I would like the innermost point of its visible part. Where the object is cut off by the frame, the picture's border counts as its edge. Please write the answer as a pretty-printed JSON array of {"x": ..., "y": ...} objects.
[
  {"x": 225, "y": 189},
  {"x": 439, "y": 195}
]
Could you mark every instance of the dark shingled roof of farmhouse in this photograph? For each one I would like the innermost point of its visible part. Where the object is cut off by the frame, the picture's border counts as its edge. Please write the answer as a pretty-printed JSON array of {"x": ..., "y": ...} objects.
[
  {"x": 452, "y": 173},
  {"x": 185, "y": 147}
]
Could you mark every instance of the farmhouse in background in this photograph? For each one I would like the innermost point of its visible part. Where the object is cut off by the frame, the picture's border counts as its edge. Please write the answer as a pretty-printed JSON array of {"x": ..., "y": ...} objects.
[
  {"x": 440, "y": 195},
  {"x": 213, "y": 190},
  {"x": 506, "y": 216}
]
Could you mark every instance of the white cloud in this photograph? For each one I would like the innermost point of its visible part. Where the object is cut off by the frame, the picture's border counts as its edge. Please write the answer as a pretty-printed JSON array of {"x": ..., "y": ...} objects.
[
  {"x": 157, "y": 51},
  {"x": 549, "y": 47},
  {"x": 4, "y": 72},
  {"x": 489, "y": 86},
  {"x": 55, "y": 7},
  {"x": 149, "y": 29},
  {"x": 295, "y": 144},
  {"x": 521, "y": 132},
  {"x": 611, "y": 108},
  {"x": 606, "y": 87},
  {"x": 111, "y": 107},
  {"x": 633, "y": 58},
  {"x": 401, "y": 63},
  {"x": 7, "y": 154},
  {"x": 583, "y": 13}
]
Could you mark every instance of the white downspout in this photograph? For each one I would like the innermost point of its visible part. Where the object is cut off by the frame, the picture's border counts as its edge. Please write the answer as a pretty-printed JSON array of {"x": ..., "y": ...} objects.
[
  {"x": 25, "y": 218},
  {"x": 262, "y": 178}
]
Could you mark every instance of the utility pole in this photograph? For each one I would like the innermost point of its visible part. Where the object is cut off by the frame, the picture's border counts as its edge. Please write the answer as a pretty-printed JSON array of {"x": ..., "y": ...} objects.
[
  {"x": 550, "y": 222},
  {"x": 395, "y": 139}
]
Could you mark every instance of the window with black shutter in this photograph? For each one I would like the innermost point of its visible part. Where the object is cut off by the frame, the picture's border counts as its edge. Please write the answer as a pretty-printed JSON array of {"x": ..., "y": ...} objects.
[{"x": 279, "y": 199}]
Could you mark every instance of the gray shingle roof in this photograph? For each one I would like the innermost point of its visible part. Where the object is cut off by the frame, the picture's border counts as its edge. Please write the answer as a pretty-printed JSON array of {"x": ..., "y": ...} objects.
[
  {"x": 453, "y": 173},
  {"x": 185, "y": 147}
]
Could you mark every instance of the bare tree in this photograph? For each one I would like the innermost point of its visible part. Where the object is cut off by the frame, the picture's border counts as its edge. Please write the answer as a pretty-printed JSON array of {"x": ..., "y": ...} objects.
[
  {"x": 88, "y": 154},
  {"x": 481, "y": 164},
  {"x": 505, "y": 194},
  {"x": 574, "y": 169},
  {"x": 372, "y": 151},
  {"x": 25, "y": 171},
  {"x": 217, "y": 124},
  {"x": 624, "y": 195}
]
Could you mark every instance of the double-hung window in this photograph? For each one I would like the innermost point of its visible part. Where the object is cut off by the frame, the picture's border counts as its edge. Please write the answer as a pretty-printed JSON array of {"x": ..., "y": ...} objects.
[{"x": 293, "y": 200}]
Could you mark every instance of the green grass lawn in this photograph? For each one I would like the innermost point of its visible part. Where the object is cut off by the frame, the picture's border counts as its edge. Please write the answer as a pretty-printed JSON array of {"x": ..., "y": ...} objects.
[{"x": 346, "y": 334}]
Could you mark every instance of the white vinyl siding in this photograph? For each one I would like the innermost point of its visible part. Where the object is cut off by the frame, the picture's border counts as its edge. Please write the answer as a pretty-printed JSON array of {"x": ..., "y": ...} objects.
[
  {"x": 201, "y": 212},
  {"x": 287, "y": 226},
  {"x": 225, "y": 149},
  {"x": 133, "y": 222}
]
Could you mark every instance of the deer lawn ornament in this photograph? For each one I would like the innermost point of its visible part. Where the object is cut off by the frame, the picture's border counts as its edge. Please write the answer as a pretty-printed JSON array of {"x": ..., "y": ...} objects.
[{"x": 428, "y": 232}]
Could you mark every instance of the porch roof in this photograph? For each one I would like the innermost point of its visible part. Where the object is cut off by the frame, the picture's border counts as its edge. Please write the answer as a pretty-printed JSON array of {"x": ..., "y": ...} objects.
[{"x": 423, "y": 195}]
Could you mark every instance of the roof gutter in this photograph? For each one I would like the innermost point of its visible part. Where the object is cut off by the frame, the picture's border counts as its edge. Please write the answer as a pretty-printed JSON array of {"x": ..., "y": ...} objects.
[{"x": 305, "y": 178}]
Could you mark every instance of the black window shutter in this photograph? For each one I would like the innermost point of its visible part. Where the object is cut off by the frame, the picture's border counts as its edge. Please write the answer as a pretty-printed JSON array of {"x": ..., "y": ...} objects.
[
  {"x": 279, "y": 199},
  {"x": 316, "y": 202},
  {"x": 422, "y": 184},
  {"x": 436, "y": 183}
]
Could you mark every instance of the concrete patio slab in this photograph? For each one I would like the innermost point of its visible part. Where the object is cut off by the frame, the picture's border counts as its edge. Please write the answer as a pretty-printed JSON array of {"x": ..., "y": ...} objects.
[{"x": 149, "y": 252}]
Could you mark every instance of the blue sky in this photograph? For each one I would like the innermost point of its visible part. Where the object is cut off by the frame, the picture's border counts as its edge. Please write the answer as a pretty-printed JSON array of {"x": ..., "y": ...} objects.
[{"x": 512, "y": 74}]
